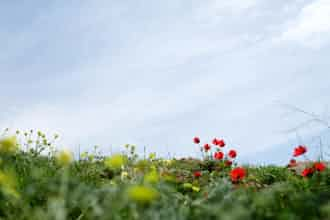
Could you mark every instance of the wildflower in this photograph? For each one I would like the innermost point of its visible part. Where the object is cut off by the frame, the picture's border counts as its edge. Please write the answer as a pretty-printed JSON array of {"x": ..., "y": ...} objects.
[
  {"x": 64, "y": 157},
  {"x": 8, "y": 183},
  {"x": 232, "y": 153},
  {"x": 207, "y": 147},
  {"x": 228, "y": 163},
  {"x": 300, "y": 150},
  {"x": 319, "y": 166},
  {"x": 152, "y": 156},
  {"x": 142, "y": 194},
  {"x": 195, "y": 188},
  {"x": 91, "y": 157},
  {"x": 197, "y": 174},
  {"x": 221, "y": 143},
  {"x": 218, "y": 155},
  {"x": 292, "y": 163},
  {"x": 196, "y": 140},
  {"x": 237, "y": 174},
  {"x": 307, "y": 172},
  {"x": 215, "y": 141},
  {"x": 187, "y": 186},
  {"x": 115, "y": 162},
  {"x": 84, "y": 155},
  {"x": 9, "y": 145}
]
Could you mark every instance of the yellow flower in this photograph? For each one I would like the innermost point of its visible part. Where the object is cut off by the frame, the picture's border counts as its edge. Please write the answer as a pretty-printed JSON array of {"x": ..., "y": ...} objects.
[
  {"x": 152, "y": 156},
  {"x": 152, "y": 177},
  {"x": 196, "y": 189},
  {"x": 9, "y": 145},
  {"x": 8, "y": 184},
  {"x": 115, "y": 162},
  {"x": 142, "y": 194},
  {"x": 187, "y": 185},
  {"x": 64, "y": 157},
  {"x": 84, "y": 155}
]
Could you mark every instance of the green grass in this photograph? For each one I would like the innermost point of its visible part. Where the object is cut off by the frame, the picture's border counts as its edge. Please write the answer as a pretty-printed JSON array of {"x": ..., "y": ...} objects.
[{"x": 36, "y": 185}]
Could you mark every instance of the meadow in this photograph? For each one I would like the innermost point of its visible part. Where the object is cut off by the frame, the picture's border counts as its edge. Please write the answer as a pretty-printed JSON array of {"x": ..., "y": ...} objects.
[{"x": 38, "y": 181}]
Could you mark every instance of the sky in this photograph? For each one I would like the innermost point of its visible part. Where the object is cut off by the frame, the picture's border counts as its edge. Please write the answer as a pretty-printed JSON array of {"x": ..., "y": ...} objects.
[{"x": 157, "y": 73}]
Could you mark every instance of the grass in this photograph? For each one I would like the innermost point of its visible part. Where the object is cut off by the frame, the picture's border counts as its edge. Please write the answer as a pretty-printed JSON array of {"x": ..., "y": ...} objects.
[{"x": 38, "y": 182}]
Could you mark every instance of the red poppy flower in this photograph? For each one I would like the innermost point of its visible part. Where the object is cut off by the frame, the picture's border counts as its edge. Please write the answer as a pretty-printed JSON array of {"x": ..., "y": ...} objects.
[
  {"x": 221, "y": 143},
  {"x": 232, "y": 153},
  {"x": 197, "y": 140},
  {"x": 300, "y": 150},
  {"x": 215, "y": 141},
  {"x": 237, "y": 174},
  {"x": 207, "y": 147},
  {"x": 228, "y": 163},
  {"x": 319, "y": 166},
  {"x": 218, "y": 155},
  {"x": 307, "y": 172},
  {"x": 292, "y": 163},
  {"x": 197, "y": 174}
]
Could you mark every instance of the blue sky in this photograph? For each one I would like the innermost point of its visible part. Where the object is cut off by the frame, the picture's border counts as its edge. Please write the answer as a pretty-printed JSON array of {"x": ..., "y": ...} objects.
[{"x": 157, "y": 73}]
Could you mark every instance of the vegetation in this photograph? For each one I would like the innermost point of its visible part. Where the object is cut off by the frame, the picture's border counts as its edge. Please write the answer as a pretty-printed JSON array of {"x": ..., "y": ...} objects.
[{"x": 39, "y": 182}]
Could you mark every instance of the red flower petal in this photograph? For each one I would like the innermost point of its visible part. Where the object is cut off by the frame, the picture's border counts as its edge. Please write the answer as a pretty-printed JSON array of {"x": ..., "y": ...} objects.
[
  {"x": 319, "y": 166},
  {"x": 237, "y": 174},
  {"x": 232, "y": 153},
  {"x": 218, "y": 155},
  {"x": 197, "y": 174},
  {"x": 207, "y": 147},
  {"x": 307, "y": 172},
  {"x": 221, "y": 143},
  {"x": 196, "y": 140},
  {"x": 300, "y": 150}
]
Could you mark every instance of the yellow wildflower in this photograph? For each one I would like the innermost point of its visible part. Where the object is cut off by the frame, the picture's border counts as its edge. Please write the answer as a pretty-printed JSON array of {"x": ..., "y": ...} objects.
[
  {"x": 64, "y": 157},
  {"x": 8, "y": 184},
  {"x": 187, "y": 185},
  {"x": 195, "y": 188},
  {"x": 142, "y": 194},
  {"x": 152, "y": 156},
  {"x": 9, "y": 145},
  {"x": 84, "y": 155},
  {"x": 115, "y": 161}
]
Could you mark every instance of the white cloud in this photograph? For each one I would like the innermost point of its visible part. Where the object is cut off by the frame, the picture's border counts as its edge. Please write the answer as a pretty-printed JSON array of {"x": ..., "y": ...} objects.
[
  {"x": 312, "y": 27},
  {"x": 160, "y": 75}
]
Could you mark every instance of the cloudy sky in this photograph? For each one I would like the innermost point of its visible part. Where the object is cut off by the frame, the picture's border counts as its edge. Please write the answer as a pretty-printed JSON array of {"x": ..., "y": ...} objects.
[{"x": 157, "y": 73}]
